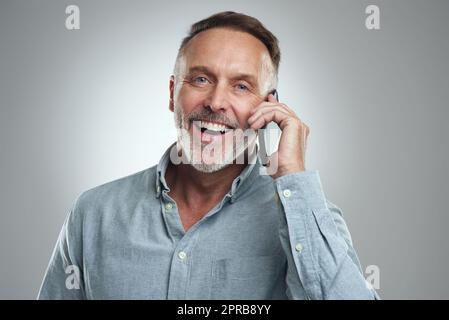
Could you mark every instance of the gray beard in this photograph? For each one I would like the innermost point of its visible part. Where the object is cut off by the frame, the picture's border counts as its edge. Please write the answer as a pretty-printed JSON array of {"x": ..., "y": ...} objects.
[
  {"x": 209, "y": 168},
  {"x": 185, "y": 140}
]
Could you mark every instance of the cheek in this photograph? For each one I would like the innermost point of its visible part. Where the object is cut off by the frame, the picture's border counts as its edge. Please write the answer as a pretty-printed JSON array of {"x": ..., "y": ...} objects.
[
  {"x": 243, "y": 111},
  {"x": 242, "y": 116},
  {"x": 188, "y": 101}
]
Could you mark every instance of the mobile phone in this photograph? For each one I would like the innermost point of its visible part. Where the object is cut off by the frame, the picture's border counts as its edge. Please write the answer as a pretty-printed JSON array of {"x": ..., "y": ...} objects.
[{"x": 269, "y": 137}]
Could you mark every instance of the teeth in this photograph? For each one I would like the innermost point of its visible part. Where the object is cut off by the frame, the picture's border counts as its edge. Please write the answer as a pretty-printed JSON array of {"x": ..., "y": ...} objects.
[{"x": 213, "y": 126}]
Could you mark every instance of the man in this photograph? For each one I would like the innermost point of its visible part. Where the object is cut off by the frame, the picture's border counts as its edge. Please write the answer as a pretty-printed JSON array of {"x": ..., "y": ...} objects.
[{"x": 212, "y": 227}]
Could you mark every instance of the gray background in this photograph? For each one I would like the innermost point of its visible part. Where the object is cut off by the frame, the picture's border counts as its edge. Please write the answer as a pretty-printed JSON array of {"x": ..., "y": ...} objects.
[{"x": 79, "y": 108}]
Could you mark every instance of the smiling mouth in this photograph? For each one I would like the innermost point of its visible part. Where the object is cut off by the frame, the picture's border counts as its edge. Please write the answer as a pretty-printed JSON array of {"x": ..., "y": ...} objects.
[{"x": 211, "y": 127}]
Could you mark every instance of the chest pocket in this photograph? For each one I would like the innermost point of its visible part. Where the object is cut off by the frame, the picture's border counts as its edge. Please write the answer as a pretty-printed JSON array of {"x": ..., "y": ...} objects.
[{"x": 248, "y": 277}]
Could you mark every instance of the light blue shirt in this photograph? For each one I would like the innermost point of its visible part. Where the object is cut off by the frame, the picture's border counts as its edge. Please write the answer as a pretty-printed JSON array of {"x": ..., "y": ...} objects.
[{"x": 266, "y": 239}]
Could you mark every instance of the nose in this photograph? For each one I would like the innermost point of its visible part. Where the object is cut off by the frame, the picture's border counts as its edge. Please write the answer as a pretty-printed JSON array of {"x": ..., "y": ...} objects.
[{"x": 217, "y": 99}]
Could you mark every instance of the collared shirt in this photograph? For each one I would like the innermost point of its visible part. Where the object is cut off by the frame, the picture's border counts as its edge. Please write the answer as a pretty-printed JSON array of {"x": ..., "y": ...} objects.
[{"x": 266, "y": 239}]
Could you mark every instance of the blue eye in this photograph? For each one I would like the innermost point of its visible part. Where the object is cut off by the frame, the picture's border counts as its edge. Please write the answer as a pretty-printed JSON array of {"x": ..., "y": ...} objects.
[
  {"x": 200, "y": 80},
  {"x": 242, "y": 87}
]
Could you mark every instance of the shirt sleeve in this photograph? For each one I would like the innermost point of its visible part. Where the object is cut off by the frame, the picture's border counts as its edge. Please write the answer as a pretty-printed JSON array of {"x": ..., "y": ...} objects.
[
  {"x": 63, "y": 278},
  {"x": 321, "y": 260}
]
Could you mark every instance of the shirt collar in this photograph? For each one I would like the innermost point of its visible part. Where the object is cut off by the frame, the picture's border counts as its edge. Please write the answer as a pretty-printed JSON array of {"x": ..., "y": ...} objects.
[
  {"x": 161, "y": 184},
  {"x": 246, "y": 177}
]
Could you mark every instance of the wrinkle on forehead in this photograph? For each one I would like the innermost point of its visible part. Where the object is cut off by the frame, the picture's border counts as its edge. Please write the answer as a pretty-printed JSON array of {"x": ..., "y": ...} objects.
[{"x": 226, "y": 51}]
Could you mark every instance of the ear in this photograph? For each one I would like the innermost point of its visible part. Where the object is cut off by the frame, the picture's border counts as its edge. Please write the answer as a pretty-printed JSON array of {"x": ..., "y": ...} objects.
[{"x": 171, "y": 86}]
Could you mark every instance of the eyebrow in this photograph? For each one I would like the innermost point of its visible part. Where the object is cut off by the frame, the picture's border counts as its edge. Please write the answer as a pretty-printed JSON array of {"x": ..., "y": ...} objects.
[{"x": 239, "y": 76}]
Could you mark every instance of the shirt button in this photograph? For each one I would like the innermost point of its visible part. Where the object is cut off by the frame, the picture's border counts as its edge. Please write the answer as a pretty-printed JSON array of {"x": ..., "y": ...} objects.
[
  {"x": 287, "y": 193},
  {"x": 182, "y": 255},
  {"x": 168, "y": 206},
  {"x": 298, "y": 247}
]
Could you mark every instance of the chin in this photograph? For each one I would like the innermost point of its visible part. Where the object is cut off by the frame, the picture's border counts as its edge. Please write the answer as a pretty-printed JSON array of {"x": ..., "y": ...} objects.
[{"x": 209, "y": 168}]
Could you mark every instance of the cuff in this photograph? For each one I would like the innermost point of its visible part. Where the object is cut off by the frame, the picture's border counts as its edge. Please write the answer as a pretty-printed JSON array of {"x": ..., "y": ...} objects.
[{"x": 302, "y": 187}]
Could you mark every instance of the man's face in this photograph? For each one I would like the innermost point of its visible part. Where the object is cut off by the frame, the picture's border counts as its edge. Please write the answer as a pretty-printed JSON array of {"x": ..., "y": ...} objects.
[{"x": 220, "y": 81}]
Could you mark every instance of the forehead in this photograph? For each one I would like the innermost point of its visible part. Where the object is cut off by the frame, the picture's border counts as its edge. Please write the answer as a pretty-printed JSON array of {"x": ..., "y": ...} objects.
[{"x": 226, "y": 51}]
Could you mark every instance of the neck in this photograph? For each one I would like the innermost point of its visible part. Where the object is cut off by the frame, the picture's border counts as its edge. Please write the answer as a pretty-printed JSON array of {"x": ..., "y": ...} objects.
[{"x": 194, "y": 187}]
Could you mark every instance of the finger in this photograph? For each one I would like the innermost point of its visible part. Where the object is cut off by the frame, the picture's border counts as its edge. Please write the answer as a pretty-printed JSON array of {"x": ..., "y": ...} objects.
[
  {"x": 282, "y": 106},
  {"x": 266, "y": 109},
  {"x": 274, "y": 115},
  {"x": 263, "y": 104}
]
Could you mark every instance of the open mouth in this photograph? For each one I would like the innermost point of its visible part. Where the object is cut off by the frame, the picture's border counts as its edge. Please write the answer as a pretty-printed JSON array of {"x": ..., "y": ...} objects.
[{"x": 212, "y": 127}]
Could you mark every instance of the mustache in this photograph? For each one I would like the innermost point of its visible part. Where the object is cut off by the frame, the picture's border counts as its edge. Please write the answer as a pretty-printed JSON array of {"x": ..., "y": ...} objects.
[{"x": 208, "y": 115}]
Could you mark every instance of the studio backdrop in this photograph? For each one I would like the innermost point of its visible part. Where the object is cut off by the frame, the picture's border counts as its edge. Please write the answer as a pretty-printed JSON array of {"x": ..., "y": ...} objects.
[{"x": 86, "y": 102}]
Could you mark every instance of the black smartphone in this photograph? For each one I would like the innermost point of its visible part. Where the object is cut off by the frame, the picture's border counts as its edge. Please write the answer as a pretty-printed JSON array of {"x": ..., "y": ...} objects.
[
  {"x": 269, "y": 137},
  {"x": 275, "y": 94}
]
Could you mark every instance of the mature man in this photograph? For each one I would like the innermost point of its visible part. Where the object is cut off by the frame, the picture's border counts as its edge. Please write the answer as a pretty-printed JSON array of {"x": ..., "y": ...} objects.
[{"x": 213, "y": 227}]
